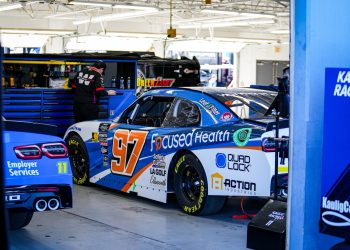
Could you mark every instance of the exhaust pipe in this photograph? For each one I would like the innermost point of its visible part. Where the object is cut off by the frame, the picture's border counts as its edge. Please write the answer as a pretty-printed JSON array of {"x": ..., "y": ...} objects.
[
  {"x": 41, "y": 205},
  {"x": 53, "y": 204}
]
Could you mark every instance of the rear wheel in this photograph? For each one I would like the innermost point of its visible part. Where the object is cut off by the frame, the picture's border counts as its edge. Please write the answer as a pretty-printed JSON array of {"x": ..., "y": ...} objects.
[
  {"x": 19, "y": 218},
  {"x": 79, "y": 159},
  {"x": 191, "y": 188}
]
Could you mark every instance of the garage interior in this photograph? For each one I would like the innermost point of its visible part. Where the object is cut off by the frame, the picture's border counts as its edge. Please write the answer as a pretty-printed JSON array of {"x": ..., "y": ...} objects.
[{"x": 255, "y": 32}]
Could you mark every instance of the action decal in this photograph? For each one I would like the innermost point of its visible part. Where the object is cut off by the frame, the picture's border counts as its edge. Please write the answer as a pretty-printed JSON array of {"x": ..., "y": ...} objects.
[
  {"x": 126, "y": 150},
  {"x": 242, "y": 136}
]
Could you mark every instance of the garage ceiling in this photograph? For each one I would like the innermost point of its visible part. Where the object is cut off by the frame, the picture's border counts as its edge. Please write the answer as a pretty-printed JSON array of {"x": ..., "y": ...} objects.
[{"x": 251, "y": 21}]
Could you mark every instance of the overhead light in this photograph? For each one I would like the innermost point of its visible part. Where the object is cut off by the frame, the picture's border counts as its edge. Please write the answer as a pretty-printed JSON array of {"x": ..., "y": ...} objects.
[
  {"x": 244, "y": 40},
  {"x": 67, "y": 13},
  {"x": 116, "y": 16},
  {"x": 225, "y": 24},
  {"x": 35, "y": 31},
  {"x": 225, "y": 12},
  {"x": 100, "y": 4},
  {"x": 280, "y": 31},
  {"x": 134, "y": 7},
  {"x": 136, "y": 34},
  {"x": 10, "y": 6}
]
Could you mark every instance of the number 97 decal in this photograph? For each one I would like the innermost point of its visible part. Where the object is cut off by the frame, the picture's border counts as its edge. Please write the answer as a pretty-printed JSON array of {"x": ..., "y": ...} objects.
[{"x": 126, "y": 149}]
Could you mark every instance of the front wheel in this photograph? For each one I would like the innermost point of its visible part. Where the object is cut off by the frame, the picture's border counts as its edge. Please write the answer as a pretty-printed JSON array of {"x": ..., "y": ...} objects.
[
  {"x": 19, "y": 218},
  {"x": 191, "y": 188},
  {"x": 79, "y": 159}
]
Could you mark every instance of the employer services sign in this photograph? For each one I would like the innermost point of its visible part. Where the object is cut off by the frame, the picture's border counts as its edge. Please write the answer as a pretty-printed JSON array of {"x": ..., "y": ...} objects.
[{"x": 335, "y": 196}]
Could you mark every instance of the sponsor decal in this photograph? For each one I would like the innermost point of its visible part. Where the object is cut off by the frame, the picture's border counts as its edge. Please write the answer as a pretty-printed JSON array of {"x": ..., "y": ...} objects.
[
  {"x": 22, "y": 168},
  {"x": 209, "y": 106},
  {"x": 158, "y": 82},
  {"x": 239, "y": 186},
  {"x": 74, "y": 128},
  {"x": 155, "y": 181},
  {"x": 275, "y": 216},
  {"x": 62, "y": 167},
  {"x": 227, "y": 116},
  {"x": 105, "y": 161},
  {"x": 95, "y": 137},
  {"x": 158, "y": 161},
  {"x": 337, "y": 216},
  {"x": 102, "y": 137},
  {"x": 185, "y": 140},
  {"x": 126, "y": 149},
  {"x": 342, "y": 88},
  {"x": 233, "y": 162},
  {"x": 218, "y": 182},
  {"x": 242, "y": 136},
  {"x": 158, "y": 173},
  {"x": 220, "y": 160},
  {"x": 103, "y": 127},
  {"x": 104, "y": 149},
  {"x": 104, "y": 143}
]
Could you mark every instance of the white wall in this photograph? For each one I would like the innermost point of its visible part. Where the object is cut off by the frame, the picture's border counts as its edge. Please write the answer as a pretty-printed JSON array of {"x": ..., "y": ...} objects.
[{"x": 251, "y": 53}]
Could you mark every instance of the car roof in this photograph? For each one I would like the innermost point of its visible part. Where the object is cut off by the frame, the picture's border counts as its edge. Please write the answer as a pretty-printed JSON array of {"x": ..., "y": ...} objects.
[{"x": 210, "y": 90}]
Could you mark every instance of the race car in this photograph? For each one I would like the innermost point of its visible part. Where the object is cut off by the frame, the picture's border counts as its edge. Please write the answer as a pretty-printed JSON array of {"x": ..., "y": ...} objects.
[
  {"x": 204, "y": 144},
  {"x": 37, "y": 171}
]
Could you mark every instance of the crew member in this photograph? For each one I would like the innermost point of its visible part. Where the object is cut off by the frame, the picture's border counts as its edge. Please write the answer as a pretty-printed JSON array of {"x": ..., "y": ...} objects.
[{"x": 87, "y": 88}]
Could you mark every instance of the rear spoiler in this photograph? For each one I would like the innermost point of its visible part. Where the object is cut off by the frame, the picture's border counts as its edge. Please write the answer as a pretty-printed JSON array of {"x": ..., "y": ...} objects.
[{"x": 30, "y": 127}]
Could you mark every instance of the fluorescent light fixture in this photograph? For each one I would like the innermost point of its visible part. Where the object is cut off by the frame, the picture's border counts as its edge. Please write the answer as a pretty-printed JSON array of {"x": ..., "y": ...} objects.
[
  {"x": 36, "y": 31},
  {"x": 136, "y": 34},
  {"x": 98, "y": 43},
  {"x": 244, "y": 40},
  {"x": 23, "y": 40},
  {"x": 100, "y": 4},
  {"x": 205, "y": 45},
  {"x": 116, "y": 16},
  {"x": 225, "y": 24},
  {"x": 10, "y": 6},
  {"x": 225, "y": 12},
  {"x": 280, "y": 31},
  {"x": 134, "y": 7},
  {"x": 68, "y": 13},
  {"x": 111, "y": 4}
]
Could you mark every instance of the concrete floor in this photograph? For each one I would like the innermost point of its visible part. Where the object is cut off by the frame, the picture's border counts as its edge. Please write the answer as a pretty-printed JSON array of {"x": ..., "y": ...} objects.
[{"x": 106, "y": 219}]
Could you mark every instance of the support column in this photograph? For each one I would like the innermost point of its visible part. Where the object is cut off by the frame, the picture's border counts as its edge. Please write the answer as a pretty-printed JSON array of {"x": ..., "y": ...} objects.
[{"x": 320, "y": 39}]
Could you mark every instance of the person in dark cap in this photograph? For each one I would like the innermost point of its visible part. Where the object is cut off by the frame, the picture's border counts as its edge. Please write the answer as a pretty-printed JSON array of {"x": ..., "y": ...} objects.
[{"x": 87, "y": 88}]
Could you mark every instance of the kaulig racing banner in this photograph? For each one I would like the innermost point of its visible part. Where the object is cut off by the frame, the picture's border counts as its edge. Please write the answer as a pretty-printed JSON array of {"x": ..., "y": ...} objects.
[{"x": 335, "y": 196}]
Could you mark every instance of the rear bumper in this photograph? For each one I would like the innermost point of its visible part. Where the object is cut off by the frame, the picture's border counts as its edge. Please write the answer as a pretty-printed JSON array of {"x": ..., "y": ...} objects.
[{"x": 25, "y": 197}]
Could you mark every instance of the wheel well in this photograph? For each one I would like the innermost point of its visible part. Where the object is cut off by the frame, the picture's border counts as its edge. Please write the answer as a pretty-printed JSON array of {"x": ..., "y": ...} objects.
[
  {"x": 172, "y": 166},
  {"x": 71, "y": 134}
]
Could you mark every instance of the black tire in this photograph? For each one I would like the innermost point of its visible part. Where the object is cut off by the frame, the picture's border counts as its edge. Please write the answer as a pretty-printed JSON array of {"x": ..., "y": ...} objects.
[
  {"x": 191, "y": 188},
  {"x": 79, "y": 159},
  {"x": 19, "y": 218}
]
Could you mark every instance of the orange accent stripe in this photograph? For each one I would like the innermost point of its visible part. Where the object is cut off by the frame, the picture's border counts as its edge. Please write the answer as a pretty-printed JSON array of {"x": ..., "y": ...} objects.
[
  {"x": 113, "y": 126},
  {"x": 246, "y": 147},
  {"x": 134, "y": 178}
]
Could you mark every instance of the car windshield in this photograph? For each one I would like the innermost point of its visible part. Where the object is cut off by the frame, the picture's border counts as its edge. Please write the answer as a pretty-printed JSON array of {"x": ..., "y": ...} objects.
[{"x": 247, "y": 105}]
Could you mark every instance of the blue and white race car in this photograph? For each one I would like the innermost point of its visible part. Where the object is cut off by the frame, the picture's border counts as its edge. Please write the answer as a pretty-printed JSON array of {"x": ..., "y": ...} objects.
[
  {"x": 203, "y": 144},
  {"x": 37, "y": 171}
]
